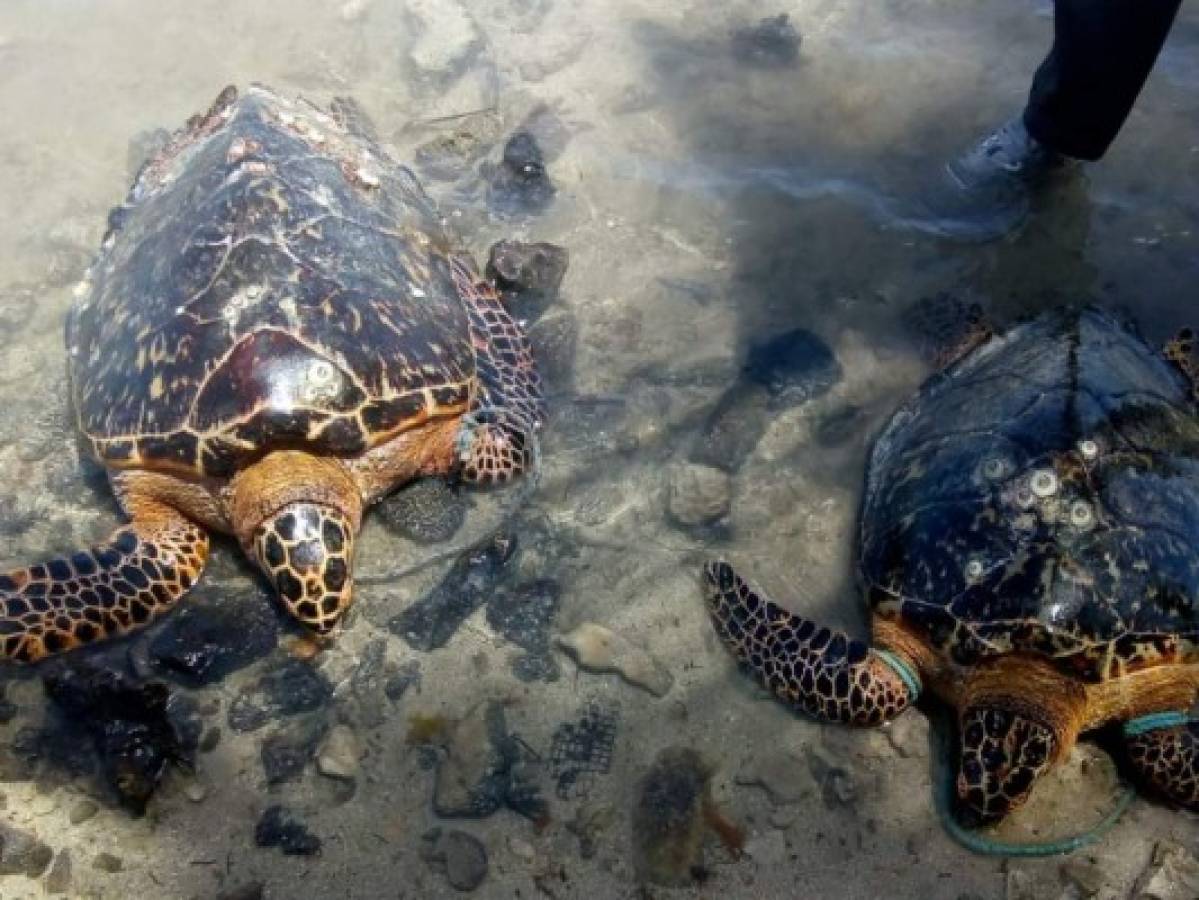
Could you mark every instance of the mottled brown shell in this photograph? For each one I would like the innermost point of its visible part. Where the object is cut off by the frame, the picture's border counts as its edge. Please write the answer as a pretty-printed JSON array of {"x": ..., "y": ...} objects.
[
  {"x": 273, "y": 279},
  {"x": 1041, "y": 496}
]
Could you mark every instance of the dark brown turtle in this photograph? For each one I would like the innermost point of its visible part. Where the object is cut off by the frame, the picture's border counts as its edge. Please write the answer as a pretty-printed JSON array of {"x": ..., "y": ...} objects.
[
  {"x": 276, "y": 332},
  {"x": 1029, "y": 546}
]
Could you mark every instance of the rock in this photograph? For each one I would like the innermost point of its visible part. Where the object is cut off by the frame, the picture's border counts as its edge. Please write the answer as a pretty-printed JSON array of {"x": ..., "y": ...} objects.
[
  {"x": 106, "y": 862},
  {"x": 433, "y": 620},
  {"x": 210, "y": 740},
  {"x": 522, "y": 850},
  {"x": 365, "y": 707},
  {"x": 450, "y": 156},
  {"x": 214, "y": 635},
  {"x": 597, "y": 649},
  {"x": 286, "y": 752},
  {"x": 278, "y": 827},
  {"x": 195, "y": 792},
  {"x": 524, "y": 617},
  {"x": 773, "y": 42},
  {"x": 426, "y": 511},
  {"x": 668, "y": 820},
  {"x": 291, "y": 688},
  {"x": 697, "y": 494},
  {"x": 460, "y": 856},
  {"x": 528, "y": 275},
  {"x": 1085, "y": 875},
  {"x": 1172, "y": 875},
  {"x": 398, "y": 683},
  {"x": 58, "y": 881},
  {"x": 787, "y": 370},
  {"x": 485, "y": 768},
  {"x": 448, "y": 39},
  {"x": 254, "y": 890},
  {"x": 137, "y": 728},
  {"x": 338, "y": 755},
  {"x": 520, "y": 184},
  {"x": 22, "y": 853},
  {"x": 82, "y": 811},
  {"x": 784, "y": 777}
]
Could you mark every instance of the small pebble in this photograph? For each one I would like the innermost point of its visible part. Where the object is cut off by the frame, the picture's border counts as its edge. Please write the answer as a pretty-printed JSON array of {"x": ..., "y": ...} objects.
[
  {"x": 82, "y": 811},
  {"x": 521, "y": 849},
  {"x": 698, "y": 494},
  {"x": 597, "y": 649},
  {"x": 106, "y": 862},
  {"x": 58, "y": 881},
  {"x": 22, "y": 853},
  {"x": 211, "y": 738},
  {"x": 278, "y": 827},
  {"x": 461, "y": 856},
  {"x": 195, "y": 792},
  {"x": 338, "y": 756}
]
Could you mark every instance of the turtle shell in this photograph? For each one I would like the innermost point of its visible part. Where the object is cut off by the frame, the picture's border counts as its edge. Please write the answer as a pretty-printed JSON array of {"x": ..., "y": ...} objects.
[
  {"x": 273, "y": 279},
  {"x": 1042, "y": 496}
]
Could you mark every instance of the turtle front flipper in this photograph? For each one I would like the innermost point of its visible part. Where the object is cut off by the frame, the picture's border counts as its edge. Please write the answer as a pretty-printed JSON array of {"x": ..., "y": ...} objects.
[
  {"x": 816, "y": 670},
  {"x": 499, "y": 435},
  {"x": 1163, "y": 750},
  {"x": 109, "y": 590}
]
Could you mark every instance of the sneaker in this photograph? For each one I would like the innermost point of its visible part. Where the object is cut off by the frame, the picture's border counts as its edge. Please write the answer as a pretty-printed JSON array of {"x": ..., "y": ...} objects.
[
  {"x": 1009, "y": 155},
  {"x": 988, "y": 191}
]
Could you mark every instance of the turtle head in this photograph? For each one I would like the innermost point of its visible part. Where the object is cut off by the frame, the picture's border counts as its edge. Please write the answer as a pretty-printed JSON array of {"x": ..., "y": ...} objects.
[
  {"x": 297, "y": 515},
  {"x": 1002, "y": 754},
  {"x": 306, "y": 550}
]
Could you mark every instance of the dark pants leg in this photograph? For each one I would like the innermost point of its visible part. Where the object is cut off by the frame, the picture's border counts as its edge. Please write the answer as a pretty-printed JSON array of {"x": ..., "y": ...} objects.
[{"x": 1102, "y": 53}]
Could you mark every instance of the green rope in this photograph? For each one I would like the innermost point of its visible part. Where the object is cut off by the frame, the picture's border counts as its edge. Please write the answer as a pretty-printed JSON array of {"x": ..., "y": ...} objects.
[
  {"x": 903, "y": 670},
  {"x": 943, "y": 791},
  {"x": 1154, "y": 721}
]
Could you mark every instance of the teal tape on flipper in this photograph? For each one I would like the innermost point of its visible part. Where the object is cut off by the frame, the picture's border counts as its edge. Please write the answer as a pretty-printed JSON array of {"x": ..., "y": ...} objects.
[
  {"x": 943, "y": 790},
  {"x": 1154, "y": 721},
  {"x": 903, "y": 670}
]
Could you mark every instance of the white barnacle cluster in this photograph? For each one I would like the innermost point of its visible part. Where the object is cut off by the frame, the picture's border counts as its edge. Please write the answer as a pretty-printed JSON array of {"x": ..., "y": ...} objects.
[
  {"x": 239, "y": 302},
  {"x": 321, "y": 381},
  {"x": 1039, "y": 495}
]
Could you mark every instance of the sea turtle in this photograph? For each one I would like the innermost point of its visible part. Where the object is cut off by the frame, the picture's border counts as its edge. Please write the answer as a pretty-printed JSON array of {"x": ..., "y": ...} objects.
[
  {"x": 275, "y": 333},
  {"x": 1029, "y": 547}
]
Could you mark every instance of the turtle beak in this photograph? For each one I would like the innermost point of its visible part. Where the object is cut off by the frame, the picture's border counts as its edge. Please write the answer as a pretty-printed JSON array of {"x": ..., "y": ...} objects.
[{"x": 1002, "y": 754}]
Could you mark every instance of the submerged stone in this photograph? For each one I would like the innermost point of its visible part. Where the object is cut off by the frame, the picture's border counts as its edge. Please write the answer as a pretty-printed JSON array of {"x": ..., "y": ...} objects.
[
  {"x": 135, "y": 731},
  {"x": 427, "y": 511},
  {"x": 433, "y": 620},
  {"x": 668, "y": 820},
  {"x": 773, "y": 41},
  {"x": 528, "y": 275},
  {"x": 520, "y": 183},
  {"x": 460, "y": 856},
  {"x": 291, "y": 688},
  {"x": 214, "y": 635},
  {"x": 278, "y": 827},
  {"x": 524, "y": 617},
  {"x": 22, "y": 853}
]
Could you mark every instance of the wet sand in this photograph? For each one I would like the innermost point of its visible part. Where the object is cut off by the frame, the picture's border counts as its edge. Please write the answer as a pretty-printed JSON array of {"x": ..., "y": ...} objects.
[{"x": 708, "y": 204}]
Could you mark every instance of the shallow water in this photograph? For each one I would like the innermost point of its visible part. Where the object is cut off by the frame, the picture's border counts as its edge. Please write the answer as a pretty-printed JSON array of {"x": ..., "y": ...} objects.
[{"x": 708, "y": 205}]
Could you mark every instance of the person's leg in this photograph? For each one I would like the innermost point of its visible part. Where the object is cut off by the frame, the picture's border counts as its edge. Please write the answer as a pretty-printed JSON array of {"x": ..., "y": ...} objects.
[{"x": 1103, "y": 50}]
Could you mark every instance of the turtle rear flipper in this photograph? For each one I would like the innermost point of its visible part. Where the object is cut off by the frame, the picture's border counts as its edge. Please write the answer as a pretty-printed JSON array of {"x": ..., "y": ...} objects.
[
  {"x": 109, "y": 590},
  {"x": 1165, "y": 756},
  {"x": 499, "y": 436},
  {"x": 821, "y": 672}
]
